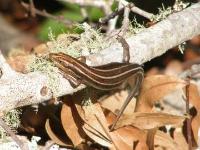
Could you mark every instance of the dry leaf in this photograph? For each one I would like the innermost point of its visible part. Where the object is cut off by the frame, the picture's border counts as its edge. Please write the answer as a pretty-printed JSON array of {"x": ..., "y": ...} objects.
[
  {"x": 41, "y": 49},
  {"x": 174, "y": 68},
  {"x": 152, "y": 71},
  {"x": 128, "y": 135},
  {"x": 150, "y": 120},
  {"x": 53, "y": 136},
  {"x": 196, "y": 126},
  {"x": 164, "y": 140},
  {"x": 180, "y": 139},
  {"x": 115, "y": 102},
  {"x": 18, "y": 59},
  {"x": 96, "y": 127},
  {"x": 150, "y": 138},
  {"x": 92, "y": 127},
  {"x": 156, "y": 87},
  {"x": 194, "y": 96},
  {"x": 72, "y": 122}
]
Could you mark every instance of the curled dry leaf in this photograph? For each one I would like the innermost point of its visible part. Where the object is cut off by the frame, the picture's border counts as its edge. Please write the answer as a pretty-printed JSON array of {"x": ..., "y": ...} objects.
[
  {"x": 150, "y": 120},
  {"x": 180, "y": 139},
  {"x": 18, "y": 60},
  {"x": 174, "y": 68},
  {"x": 150, "y": 138},
  {"x": 115, "y": 102},
  {"x": 127, "y": 136},
  {"x": 195, "y": 127},
  {"x": 71, "y": 122},
  {"x": 91, "y": 126},
  {"x": 194, "y": 96},
  {"x": 54, "y": 137},
  {"x": 96, "y": 127},
  {"x": 164, "y": 140},
  {"x": 155, "y": 88}
]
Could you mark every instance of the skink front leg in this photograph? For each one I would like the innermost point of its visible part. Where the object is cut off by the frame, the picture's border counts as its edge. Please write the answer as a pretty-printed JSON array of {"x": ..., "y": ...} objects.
[{"x": 126, "y": 52}]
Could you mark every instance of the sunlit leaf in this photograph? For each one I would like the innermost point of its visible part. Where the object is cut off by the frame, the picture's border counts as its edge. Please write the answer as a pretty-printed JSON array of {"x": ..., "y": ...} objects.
[
  {"x": 155, "y": 88},
  {"x": 150, "y": 120},
  {"x": 72, "y": 122}
]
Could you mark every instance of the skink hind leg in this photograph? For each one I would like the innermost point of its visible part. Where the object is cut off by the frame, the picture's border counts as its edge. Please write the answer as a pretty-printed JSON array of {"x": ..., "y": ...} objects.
[{"x": 134, "y": 91}]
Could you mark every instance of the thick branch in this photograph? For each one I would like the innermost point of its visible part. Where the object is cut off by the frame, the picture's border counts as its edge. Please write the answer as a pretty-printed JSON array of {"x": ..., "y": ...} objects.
[{"x": 25, "y": 89}]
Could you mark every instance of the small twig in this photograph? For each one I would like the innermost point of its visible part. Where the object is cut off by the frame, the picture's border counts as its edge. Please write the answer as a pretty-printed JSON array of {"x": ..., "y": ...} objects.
[
  {"x": 112, "y": 23},
  {"x": 150, "y": 138},
  {"x": 132, "y": 7},
  {"x": 125, "y": 23},
  {"x": 46, "y": 14},
  {"x": 84, "y": 13},
  {"x": 32, "y": 8},
  {"x": 106, "y": 131},
  {"x": 188, "y": 120},
  {"x": 137, "y": 10},
  {"x": 142, "y": 12},
  {"x": 12, "y": 134},
  {"x": 111, "y": 16}
]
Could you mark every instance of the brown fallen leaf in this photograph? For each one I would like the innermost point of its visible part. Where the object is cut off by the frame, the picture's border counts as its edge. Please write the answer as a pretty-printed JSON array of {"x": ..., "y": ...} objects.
[
  {"x": 92, "y": 127},
  {"x": 180, "y": 139},
  {"x": 194, "y": 97},
  {"x": 54, "y": 137},
  {"x": 96, "y": 127},
  {"x": 128, "y": 135},
  {"x": 150, "y": 138},
  {"x": 195, "y": 127},
  {"x": 18, "y": 59},
  {"x": 115, "y": 102},
  {"x": 174, "y": 68},
  {"x": 155, "y": 88},
  {"x": 150, "y": 120},
  {"x": 71, "y": 122},
  {"x": 165, "y": 141}
]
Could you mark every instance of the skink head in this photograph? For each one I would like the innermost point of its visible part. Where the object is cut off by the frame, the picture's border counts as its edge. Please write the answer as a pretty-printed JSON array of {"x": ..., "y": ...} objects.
[
  {"x": 60, "y": 58},
  {"x": 56, "y": 57}
]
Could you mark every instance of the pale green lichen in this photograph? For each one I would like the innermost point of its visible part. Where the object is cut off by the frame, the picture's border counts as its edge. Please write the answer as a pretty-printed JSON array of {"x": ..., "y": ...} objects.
[
  {"x": 12, "y": 119},
  {"x": 164, "y": 12},
  {"x": 135, "y": 27},
  {"x": 181, "y": 47},
  {"x": 86, "y": 100},
  {"x": 42, "y": 64},
  {"x": 89, "y": 42},
  {"x": 180, "y": 5}
]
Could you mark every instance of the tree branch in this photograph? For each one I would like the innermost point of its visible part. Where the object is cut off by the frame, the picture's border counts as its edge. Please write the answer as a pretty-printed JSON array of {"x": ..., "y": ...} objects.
[{"x": 25, "y": 89}]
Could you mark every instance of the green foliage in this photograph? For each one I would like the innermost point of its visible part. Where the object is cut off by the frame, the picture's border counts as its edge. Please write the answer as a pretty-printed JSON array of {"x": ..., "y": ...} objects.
[
  {"x": 94, "y": 13},
  {"x": 71, "y": 12},
  {"x": 58, "y": 27}
]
